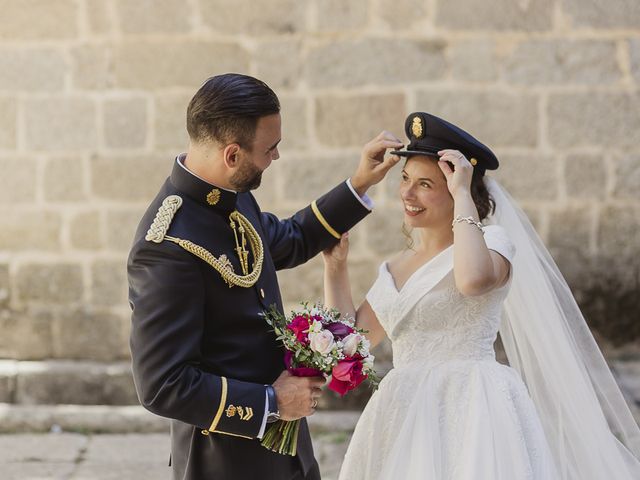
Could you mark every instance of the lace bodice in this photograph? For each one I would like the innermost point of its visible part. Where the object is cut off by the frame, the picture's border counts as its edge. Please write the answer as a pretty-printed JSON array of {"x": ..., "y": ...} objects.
[{"x": 430, "y": 320}]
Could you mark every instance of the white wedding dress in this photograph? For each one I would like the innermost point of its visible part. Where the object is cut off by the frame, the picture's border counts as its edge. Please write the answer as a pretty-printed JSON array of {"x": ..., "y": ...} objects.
[{"x": 447, "y": 410}]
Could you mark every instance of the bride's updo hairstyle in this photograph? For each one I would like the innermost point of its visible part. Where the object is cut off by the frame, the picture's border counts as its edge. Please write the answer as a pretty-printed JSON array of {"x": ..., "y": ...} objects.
[{"x": 429, "y": 134}]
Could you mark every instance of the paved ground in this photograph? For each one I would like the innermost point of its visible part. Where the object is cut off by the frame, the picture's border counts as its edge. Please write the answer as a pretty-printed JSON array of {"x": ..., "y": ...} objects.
[{"x": 135, "y": 456}]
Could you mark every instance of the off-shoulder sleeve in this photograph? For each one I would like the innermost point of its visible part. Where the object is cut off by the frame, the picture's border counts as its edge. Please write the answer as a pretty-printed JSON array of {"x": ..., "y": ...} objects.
[{"x": 498, "y": 240}]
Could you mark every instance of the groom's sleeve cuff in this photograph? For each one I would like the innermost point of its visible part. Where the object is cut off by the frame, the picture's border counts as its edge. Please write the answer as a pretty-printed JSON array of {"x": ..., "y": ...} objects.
[{"x": 365, "y": 200}]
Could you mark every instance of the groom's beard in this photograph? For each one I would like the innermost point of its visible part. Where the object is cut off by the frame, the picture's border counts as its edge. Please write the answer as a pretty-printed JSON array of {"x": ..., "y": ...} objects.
[{"x": 248, "y": 177}]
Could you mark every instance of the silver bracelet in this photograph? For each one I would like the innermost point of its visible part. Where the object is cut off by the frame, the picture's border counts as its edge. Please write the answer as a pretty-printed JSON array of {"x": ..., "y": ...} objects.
[{"x": 469, "y": 220}]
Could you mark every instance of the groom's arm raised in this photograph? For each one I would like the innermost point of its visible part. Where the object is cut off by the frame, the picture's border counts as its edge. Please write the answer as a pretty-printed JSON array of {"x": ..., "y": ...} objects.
[{"x": 318, "y": 226}]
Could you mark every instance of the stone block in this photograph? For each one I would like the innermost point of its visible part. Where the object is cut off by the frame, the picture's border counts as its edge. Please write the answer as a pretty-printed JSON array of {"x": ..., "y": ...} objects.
[
  {"x": 8, "y": 375},
  {"x": 55, "y": 448},
  {"x": 303, "y": 283},
  {"x": 473, "y": 61},
  {"x": 578, "y": 119},
  {"x": 90, "y": 67},
  {"x": 353, "y": 121},
  {"x": 99, "y": 19},
  {"x": 37, "y": 469},
  {"x": 109, "y": 283},
  {"x": 90, "y": 334},
  {"x": 149, "y": 16},
  {"x": 598, "y": 14},
  {"x": 29, "y": 230},
  {"x": 501, "y": 15},
  {"x": 152, "y": 65},
  {"x": 242, "y": 17},
  {"x": 85, "y": 231},
  {"x": 132, "y": 178},
  {"x": 332, "y": 65},
  {"x": 27, "y": 333},
  {"x": 585, "y": 176},
  {"x": 18, "y": 180},
  {"x": 362, "y": 274},
  {"x": 59, "y": 283},
  {"x": 627, "y": 176},
  {"x": 32, "y": 70},
  {"x": 586, "y": 62},
  {"x": 8, "y": 123},
  {"x": 634, "y": 52},
  {"x": 38, "y": 20},
  {"x": 60, "y": 123},
  {"x": 64, "y": 179},
  {"x": 529, "y": 176},
  {"x": 170, "y": 121},
  {"x": 384, "y": 231},
  {"x": 77, "y": 383},
  {"x": 5, "y": 285},
  {"x": 338, "y": 15},
  {"x": 278, "y": 63},
  {"x": 619, "y": 239},
  {"x": 125, "y": 123},
  {"x": 404, "y": 15},
  {"x": 495, "y": 118},
  {"x": 121, "y": 227},
  {"x": 295, "y": 133},
  {"x": 569, "y": 242},
  {"x": 305, "y": 178}
]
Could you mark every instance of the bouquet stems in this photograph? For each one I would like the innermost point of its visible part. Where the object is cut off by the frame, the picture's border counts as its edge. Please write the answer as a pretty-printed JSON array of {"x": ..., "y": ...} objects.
[{"x": 282, "y": 437}]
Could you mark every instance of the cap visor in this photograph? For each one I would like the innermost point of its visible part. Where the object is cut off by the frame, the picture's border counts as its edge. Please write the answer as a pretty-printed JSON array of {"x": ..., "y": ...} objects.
[{"x": 409, "y": 153}]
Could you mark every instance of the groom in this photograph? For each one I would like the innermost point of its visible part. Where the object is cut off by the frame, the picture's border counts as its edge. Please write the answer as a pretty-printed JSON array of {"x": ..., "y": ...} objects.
[{"x": 201, "y": 270}]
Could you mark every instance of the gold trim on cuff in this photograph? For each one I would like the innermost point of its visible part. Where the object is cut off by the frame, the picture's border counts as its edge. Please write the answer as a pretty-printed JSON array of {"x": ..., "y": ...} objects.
[
  {"x": 323, "y": 221},
  {"x": 223, "y": 402}
]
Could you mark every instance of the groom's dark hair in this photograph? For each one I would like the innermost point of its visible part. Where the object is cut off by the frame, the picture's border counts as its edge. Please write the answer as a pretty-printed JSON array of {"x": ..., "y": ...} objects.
[{"x": 227, "y": 107}]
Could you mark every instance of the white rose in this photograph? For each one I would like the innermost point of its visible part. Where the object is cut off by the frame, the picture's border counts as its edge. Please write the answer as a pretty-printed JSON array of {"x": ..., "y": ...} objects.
[
  {"x": 315, "y": 327},
  {"x": 367, "y": 362},
  {"x": 366, "y": 344},
  {"x": 321, "y": 342},
  {"x": 351, "y": 343}
]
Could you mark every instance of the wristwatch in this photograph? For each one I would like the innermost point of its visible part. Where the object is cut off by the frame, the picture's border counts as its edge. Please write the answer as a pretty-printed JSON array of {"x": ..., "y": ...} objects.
[{"x": 273, "y": 414}]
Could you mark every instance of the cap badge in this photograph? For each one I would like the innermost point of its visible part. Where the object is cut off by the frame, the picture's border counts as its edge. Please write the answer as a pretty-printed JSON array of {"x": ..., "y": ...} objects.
[
  {"x": 213, "y": 196},
  {"x": 417, "y": 128}
]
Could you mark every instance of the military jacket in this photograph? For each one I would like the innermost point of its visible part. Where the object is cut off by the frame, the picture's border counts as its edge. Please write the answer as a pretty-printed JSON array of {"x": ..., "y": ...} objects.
[{"x": 201, "y": 351}]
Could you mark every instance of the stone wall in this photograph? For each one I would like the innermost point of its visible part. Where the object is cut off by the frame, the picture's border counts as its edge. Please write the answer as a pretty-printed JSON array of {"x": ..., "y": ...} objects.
[{"x": 92, "y": 101}]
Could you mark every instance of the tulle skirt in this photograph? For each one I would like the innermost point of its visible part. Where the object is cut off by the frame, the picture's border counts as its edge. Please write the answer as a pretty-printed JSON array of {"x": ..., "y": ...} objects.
[{"x": 456, "y": 420}]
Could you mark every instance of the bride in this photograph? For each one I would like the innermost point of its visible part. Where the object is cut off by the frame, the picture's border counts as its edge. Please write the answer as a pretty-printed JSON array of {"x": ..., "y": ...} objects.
[{"x": 448, "y": 410}]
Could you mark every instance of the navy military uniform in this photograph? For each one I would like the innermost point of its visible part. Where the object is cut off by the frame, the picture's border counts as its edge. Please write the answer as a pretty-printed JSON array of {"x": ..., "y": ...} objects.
[{"x": 202, "y": 353}]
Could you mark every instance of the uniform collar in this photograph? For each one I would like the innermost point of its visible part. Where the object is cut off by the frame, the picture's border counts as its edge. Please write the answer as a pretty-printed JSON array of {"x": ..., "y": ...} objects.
[{"x": 201, "y": 191}]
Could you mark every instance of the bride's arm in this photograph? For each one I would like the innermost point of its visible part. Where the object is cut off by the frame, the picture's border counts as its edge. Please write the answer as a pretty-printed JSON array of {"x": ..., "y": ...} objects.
[
  {"x": 476, "y": 269},
  {"x": 337, "y": 291}
]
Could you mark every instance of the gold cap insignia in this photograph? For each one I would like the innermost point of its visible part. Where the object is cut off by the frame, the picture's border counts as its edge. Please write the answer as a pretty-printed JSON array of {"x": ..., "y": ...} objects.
[
  {"x": 473, "y": 162},
  {"x": 417, "y": 128},
  {"x": 231, "y": 411},
  {"x": 213, "y": 196}
]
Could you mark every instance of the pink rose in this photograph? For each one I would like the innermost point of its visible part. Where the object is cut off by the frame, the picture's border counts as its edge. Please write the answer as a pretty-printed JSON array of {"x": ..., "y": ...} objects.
[
  {"x": 300, "y": 326},
  {"x": 321, "y": 342},
  {"x": 351, "y": 343},
  {"x": 346, "y": 375}
]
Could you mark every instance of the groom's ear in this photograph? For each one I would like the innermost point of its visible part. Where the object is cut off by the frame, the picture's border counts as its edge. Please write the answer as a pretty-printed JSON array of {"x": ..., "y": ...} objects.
[{"x": 231, "y": 155}]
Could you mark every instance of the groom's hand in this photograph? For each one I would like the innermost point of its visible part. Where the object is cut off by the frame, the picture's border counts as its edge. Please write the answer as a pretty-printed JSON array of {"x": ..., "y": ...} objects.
[
  {"x": 297, "y": 396},
  {"x": 373, "y": 165}
]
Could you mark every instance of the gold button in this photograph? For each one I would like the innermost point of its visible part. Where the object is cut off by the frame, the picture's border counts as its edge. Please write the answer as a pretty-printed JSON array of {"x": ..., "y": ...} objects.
[
  {"x": 205, "y": 432},
  {"x": 262, "y": 293}
]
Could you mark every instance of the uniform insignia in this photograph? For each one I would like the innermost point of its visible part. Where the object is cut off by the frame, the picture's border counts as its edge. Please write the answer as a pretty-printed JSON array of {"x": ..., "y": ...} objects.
[
  {"x": 162, "y": 221},
  {"x": 473, "y": 162},
  {"x": 417, "y": 128},
  {"x": 231, "y": 411},
  {"x": 244, "y": 413},
  {"x": 213, "y": 197}
]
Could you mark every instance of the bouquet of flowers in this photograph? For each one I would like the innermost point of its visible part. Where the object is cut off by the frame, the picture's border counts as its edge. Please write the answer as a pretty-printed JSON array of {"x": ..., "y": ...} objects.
[{"x": 318, "y": 342}]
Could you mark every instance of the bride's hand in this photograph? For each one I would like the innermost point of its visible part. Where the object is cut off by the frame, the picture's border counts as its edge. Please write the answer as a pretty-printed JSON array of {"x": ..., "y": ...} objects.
[
  {"x": 336, "y": 256},
  {"x": 458, "y": 177}
]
